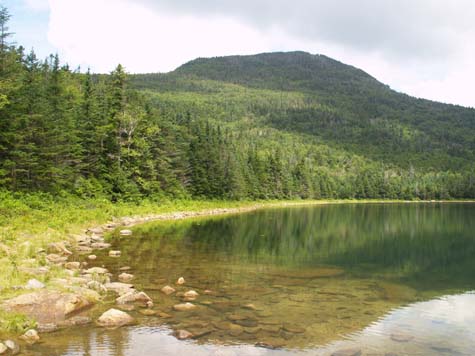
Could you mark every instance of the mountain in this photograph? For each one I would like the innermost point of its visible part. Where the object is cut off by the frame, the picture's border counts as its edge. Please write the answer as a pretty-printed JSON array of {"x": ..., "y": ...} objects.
[{"x": 339, "y": 104}]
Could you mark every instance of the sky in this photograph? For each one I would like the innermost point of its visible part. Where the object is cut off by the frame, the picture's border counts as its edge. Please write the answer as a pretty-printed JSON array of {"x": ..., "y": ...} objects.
[{"x": 425, "y": 48}]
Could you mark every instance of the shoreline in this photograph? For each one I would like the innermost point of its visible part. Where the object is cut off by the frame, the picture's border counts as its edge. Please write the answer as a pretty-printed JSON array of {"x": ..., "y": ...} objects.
[
  {"x": 130, "y": 221},
  {"x": 72, "y": 244}
]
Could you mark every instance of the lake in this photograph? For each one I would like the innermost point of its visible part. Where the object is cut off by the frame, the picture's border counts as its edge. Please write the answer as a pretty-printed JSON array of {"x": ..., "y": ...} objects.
[{"x": 370, "y": 279}]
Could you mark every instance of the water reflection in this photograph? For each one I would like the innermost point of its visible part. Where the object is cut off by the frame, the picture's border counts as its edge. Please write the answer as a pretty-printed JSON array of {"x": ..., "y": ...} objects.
[{"x": 319, "y": 279}]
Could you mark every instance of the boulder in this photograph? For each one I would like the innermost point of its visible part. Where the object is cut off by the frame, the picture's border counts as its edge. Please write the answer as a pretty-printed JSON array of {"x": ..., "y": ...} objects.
[
  {"x": 115, "y": 318},
  {"x": 47, "y": 306},
  {"x": 168, "y": 290},
  {"x": 30, "y": 337}
]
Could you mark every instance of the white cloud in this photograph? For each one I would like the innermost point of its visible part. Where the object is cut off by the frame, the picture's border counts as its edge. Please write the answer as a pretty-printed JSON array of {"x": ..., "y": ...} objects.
[
  {"x": 37, "y": 5},
  {"x": 145, "y": 38}
]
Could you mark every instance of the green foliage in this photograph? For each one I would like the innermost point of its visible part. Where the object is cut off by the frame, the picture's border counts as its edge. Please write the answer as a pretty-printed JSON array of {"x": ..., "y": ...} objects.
[{"x": 270, "y": 126}]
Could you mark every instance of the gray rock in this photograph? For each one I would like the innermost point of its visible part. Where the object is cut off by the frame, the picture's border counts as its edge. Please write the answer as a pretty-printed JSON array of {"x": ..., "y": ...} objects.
[
  {"x": 31, "y": 336},
  {"x": 13, "y": 346},
  {"x": 34, "y": 284},
  {"x": 115, "y": 318}
]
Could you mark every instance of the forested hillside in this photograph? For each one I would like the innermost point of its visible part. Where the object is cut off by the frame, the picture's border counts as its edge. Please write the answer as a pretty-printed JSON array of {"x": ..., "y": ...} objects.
[{"x": 270, "y": 126}]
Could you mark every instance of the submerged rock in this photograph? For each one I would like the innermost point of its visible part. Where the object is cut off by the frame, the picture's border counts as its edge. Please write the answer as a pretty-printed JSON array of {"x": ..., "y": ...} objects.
[
  {"x": 148, "y": 312},
  {"x": 31, "y": 336},
  {"x": 184, "y": 307},
  {"x": 168, "y": 290},
  {"x": 114, "y": 253},
  {"x": 191, "y": 294},
  {"x": 125, "y": 232},
  {"x": 125, "y": 277},
  {"x": 115, "y": 318}
]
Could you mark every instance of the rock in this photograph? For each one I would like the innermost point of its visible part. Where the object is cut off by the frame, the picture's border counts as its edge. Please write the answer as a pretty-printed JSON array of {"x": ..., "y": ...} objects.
[
  {"x": 125, "y": 277},
  {"x": 83, "y": 250},
  {"x": 125, "y": 232},
  {"x": 95, "y": 230},
  {"x": 294, "y": 329},
  {"x": 126, "y": 307},
  {"x": 77, "y": 321},
  {"x": 125, "y": 268},
  {"x": 180, "y": 281},
  {"x": 47, "y": 327},
  {"x": 115, "y": 318},
  {"x": 54, "y": 258},
  {"x": 347, "y": 352},
  {"x": 183, "y": 334},
  {"x": 401, "y": 337},
  {"x": 271, "y": 346},
  {"x": 3, "y": 348},
  {"x": 168, "y": 290},
  {"x": 13, "y": 346},
  {"x": 47, "y": 306},
  {"x": 191, "y": 294},
  {"x": 119, "y": 287},
  {"x": 164, "y": 315},
  {"x": 235, "y": 330},
  {"x": 148, "y": 312},
  {"x": 114, "y": 253},
  {"x": 73, "y": 265},
  {"x": 34, "y": 284},
  {"x": 30, "y": 337},
  {"x": 249, "y": 306},
  {"x": 184, "y": 307},
  {"x": 59, "y": 247},
  {"x": 208, "y": 292},
  {"x": 92, "y": 257},
  {"x": 96, "y": 270},
  {"x": 132, "y": 297},
  {"x": 96, "y": 286},
  {"x": 100, "y": 245}
]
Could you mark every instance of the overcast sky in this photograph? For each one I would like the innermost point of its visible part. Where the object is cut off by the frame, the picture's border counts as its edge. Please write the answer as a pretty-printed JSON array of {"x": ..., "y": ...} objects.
[{"x": 425, "y": 48}]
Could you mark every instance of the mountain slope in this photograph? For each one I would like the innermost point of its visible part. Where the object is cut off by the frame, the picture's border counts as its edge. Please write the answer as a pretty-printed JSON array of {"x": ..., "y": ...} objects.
[{"x": 340, "y": 104}]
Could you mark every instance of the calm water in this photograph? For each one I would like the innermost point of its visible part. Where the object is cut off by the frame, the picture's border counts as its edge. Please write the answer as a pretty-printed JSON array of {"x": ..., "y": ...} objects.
[{"x": 383, "y": 279}]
